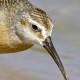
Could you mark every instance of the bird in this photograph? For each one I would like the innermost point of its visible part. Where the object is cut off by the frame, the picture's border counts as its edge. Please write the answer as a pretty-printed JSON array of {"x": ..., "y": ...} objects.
[{"x": 22, "y": 25}]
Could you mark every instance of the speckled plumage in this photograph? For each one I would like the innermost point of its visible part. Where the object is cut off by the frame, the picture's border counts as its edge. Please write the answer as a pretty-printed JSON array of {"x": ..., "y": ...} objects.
[
  {"x": 22, "y": 25},
  {"x": 9, "y": 3},
  {"x": 9, "y": 40}
]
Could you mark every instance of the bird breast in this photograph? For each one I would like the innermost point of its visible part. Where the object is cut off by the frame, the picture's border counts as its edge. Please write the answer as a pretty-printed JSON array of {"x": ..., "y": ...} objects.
[{"x": 9, "y": 40}]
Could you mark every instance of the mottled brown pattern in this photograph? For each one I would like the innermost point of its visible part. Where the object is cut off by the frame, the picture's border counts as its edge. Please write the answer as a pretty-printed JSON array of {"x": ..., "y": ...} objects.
[
  {"x": 11, "y": 2},
  {"x": 23, "y": 22},
  {"x": 41, "y": 17},
  {"x": 39, "y": 34},
  {"x": 8, "y": 2},
  {"x": 9, "y": 40}
]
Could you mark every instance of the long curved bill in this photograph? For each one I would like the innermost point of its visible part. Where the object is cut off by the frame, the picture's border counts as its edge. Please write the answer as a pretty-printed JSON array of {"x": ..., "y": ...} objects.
[{"x": 47, "y": 44}]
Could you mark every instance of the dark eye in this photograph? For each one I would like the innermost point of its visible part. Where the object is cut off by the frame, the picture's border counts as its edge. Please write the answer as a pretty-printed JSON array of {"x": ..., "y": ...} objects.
[{"x": 35, "y": 27}]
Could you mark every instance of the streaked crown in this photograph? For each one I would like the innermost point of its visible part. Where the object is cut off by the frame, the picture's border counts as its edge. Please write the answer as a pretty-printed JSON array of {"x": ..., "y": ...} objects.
[
  {"x": 29, "y": 22},
  {"x": 37, "y": 24}
]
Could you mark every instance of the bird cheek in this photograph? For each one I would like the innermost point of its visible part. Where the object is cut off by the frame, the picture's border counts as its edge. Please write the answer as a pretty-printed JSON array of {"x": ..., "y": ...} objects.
[
  {"x": 38, "y": 34},
  {"x": 23, "y": 23}
]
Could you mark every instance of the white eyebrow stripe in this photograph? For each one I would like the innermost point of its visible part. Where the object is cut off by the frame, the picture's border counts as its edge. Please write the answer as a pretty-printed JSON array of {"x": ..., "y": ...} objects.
[
  {"x": 44, "y": 32},
  {"x": 32, "y": 21},
  {"x": 35, "y": 23},
  {"x": 40, "y": 26}
]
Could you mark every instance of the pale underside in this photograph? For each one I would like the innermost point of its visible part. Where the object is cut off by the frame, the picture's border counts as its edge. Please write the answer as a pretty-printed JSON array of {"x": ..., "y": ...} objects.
[{"x": 9, "y": 40}]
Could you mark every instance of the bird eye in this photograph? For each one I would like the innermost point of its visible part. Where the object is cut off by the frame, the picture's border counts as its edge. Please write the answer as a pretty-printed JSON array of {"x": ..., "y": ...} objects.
[{"x": 35, "y": 27}]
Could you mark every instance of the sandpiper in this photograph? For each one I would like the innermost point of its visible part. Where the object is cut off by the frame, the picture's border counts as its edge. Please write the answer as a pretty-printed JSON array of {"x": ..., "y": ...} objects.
[{"x": 22, "y": 25}]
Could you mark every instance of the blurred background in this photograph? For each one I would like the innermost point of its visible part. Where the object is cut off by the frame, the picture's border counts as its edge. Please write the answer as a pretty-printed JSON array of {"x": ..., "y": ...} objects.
[{"x": 34, "y": 64}]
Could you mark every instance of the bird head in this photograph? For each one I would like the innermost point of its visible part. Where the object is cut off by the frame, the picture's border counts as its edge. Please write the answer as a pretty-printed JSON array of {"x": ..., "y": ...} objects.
[{"x": 35, "y": 26}]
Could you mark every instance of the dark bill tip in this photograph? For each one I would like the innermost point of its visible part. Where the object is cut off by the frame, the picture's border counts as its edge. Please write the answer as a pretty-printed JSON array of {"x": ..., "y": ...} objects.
[{"x": 47, "y": 44}]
